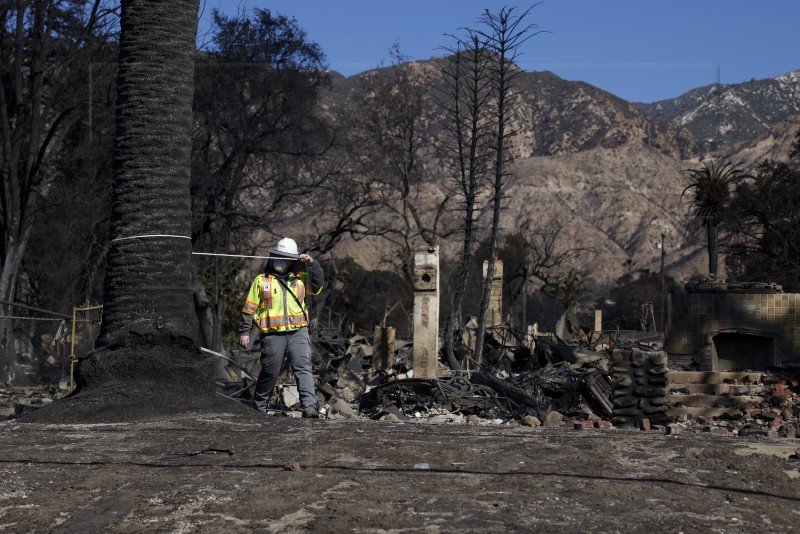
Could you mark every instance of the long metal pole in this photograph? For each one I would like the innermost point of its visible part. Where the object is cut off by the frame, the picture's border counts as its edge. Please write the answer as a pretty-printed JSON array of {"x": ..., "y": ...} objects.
[
  {"x": 40, "y": 310},
  {"x": 238, "y": 256}
]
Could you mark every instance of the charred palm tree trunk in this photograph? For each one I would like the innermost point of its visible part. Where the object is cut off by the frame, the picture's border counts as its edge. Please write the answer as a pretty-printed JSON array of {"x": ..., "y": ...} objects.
[
  {"x": 147, "y": 338},
  {"x": 148, "y": 279},
  {"x": 713, "y": 248}
]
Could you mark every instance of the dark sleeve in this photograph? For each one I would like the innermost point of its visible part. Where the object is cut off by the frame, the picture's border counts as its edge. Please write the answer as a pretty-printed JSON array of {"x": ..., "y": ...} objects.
[
  {"x": 251, "y": 303},
  {"x": 317, "y": 277},
  {"x": 245, "y": 323}
]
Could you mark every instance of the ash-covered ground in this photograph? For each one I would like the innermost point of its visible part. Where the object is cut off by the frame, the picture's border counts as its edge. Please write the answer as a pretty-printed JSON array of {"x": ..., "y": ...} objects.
[{"x": 224, "y": 470}]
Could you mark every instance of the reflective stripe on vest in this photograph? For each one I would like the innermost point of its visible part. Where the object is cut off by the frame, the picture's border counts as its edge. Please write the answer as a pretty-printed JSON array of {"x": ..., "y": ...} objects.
[{"x": 269, "y": 314}]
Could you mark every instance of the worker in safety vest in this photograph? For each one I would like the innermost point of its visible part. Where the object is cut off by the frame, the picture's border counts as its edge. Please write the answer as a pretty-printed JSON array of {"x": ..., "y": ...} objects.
[{"x": 276, "y": 303}]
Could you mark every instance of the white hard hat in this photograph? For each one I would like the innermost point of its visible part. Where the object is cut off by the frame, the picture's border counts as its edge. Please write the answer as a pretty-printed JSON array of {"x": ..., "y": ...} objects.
[{"x": 286, "y": 248}]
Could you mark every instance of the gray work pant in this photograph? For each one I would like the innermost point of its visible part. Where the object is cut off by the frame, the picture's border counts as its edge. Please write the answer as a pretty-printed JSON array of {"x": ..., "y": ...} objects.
[{"x": 274, "y": 348}]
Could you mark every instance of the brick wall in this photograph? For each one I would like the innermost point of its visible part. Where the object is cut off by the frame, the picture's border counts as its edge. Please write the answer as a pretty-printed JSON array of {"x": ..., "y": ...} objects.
[{"x": 696, "y": 317}]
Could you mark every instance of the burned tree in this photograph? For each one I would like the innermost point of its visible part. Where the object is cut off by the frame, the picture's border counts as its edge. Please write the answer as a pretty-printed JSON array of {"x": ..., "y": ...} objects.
[
  {"x": 46, "y": 48},
  {"x": 145, "y": 360},
  {"x": 765, "y": 234},
  {"x": 392, "y": 142},
  {"x": 476, "y": 98},
  {"x": 535, "y": 257},
  {"x": 149, "y": 258},
  {"x": 504, "y": 33},
  {"x": 464, "y": 98}
]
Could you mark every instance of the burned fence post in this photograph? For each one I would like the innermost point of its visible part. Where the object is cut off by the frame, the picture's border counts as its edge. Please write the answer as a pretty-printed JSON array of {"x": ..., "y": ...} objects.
[
  {"x": 383, "y": 348},
  {"x": 426, "y": 312}
]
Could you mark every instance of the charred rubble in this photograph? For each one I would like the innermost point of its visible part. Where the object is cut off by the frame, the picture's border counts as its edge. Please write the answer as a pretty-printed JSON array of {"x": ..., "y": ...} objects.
[
  {"x": 511, "y": 383},
  {"x": 602, "y": 381},
  {"x": 598, "y": 381},
  {"x": 515, "y": 382}
]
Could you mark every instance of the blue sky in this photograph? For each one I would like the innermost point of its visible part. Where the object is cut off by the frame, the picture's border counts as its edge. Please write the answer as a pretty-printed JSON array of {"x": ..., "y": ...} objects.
[{"x": 640, "y": 50}]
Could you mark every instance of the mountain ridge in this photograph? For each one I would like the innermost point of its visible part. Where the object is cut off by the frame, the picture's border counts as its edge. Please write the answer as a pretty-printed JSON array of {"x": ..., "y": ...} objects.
[
  {"x": 726, "y": 114},
  {"x": 613, "y": 171}
]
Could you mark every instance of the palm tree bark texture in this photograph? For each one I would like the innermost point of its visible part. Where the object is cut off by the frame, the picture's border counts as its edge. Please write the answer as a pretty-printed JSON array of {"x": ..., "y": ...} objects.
[
  {"x": 146, "y": 348},
  {"x": 148, "y": 279}
]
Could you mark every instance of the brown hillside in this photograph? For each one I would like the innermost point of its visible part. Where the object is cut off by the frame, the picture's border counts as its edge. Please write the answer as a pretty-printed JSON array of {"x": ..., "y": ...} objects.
[{"x": 586, "y": 157}]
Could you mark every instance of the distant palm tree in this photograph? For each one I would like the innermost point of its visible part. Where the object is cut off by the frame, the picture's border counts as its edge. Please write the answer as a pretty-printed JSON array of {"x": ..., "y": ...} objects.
[
  {"x": 711, "y": 186},
  {"x": 573, "y": 286}
]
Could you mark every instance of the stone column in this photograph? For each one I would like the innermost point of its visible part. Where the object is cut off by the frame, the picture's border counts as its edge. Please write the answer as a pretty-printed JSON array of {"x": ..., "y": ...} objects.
[
  {"x": 426, "y": 312},
  {"x": 494, "y": 315},
  {"x": 639, "y": 387}
]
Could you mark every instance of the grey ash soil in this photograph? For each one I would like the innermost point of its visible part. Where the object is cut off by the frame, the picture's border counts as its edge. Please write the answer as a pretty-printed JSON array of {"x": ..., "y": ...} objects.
[
  {"x": 225, "y": 470},
  {"x": 165, "y": 454}
]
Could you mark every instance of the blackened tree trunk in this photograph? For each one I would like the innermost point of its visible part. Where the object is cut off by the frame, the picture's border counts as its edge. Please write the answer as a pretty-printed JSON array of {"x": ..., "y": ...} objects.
[
  {"x": 146, "y": 361},
  {"x": 504, "y": 35},
  {"x": 465, "y": 98},
  {"x": 712, "y": 231},
  {"x": 148, "y": 285}
]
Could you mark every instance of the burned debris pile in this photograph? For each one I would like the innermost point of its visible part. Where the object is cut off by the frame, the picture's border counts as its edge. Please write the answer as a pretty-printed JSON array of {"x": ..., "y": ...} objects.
[
  {"x": 424, "y": 395},
  {"x": 745, "y": 403},
  {"x": 596, "y": 381},
  {"x": 513, "y": 381},
  {"x": 537, "y": 381},
  {"x": 544, "y": 382}
]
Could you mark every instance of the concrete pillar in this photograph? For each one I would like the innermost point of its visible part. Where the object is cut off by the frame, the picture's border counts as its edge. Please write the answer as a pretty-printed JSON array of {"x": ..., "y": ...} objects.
[
  {"x": 598, "y": 321},
  {"x": 426, "y": 312},
  {"x": 494, "y": 315}
]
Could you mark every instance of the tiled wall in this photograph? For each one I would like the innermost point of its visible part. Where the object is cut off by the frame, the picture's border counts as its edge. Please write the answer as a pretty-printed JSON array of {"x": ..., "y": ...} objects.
[{"x": 695, "y": 317}]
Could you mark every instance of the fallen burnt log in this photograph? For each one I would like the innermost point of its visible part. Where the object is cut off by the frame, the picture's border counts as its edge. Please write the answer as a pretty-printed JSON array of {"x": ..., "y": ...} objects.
[{"x": 554, "y": 353}]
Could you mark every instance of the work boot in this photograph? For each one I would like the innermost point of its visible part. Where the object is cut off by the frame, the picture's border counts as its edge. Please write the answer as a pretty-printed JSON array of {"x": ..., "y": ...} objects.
[
  {"x": 252, "y": 404},
  {"x": 310, "y": 413}
]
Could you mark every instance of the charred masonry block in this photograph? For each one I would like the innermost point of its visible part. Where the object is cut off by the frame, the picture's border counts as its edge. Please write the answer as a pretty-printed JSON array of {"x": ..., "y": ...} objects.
[{"x": 638, "y": 388}]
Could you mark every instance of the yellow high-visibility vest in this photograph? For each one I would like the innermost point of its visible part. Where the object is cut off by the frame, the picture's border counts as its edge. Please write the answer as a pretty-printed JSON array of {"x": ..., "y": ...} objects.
[{"x": 273, "y": 308}]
